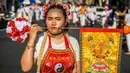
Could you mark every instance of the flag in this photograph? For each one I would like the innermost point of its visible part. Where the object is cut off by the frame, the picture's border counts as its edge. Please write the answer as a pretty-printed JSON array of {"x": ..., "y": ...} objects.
[{"x": 100, "y": 50}]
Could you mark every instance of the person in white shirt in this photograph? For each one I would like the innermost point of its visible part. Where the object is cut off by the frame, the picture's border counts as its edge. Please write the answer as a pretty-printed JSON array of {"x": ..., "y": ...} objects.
[
  {"x": 74, "y": 12},
  {"x": 92, "y": 14},
  {"x": 108, "y": 10},
  {"x": 23, "y": 12},
  {"x": 127, "y": 21},
  {"x": 31, "y": 12},
  {"x": 37, "y": 12},
  {"x": 41, "y": 9},
  {"x": 19, "y": 11},
  {"x": 83, "y": 15}
]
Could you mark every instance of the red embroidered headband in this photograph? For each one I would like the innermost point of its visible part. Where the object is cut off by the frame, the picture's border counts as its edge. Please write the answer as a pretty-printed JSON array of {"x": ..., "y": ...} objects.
[{"x": 65, "y": 6}]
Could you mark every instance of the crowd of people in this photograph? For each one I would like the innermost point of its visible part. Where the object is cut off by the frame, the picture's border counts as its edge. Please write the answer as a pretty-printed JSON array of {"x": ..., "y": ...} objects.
[{"x": 81, "y": 15}]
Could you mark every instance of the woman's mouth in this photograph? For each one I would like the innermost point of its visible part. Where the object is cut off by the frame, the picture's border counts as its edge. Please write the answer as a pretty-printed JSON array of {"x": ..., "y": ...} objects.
[
  {"x": 56, "y": 28},
  {"x": 53, "y": 28}
]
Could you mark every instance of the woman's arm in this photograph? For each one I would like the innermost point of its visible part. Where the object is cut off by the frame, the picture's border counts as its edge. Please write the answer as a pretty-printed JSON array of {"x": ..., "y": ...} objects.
[
  {"x": 28, "y": 60},
  {"x": 78, "y": 67}
]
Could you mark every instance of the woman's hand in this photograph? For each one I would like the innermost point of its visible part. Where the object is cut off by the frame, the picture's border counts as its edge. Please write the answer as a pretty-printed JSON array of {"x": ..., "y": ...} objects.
[
  {"x": 34, "y": 29},
  {"x": 74, "y": 70},
  {"x": 33, "y": 33},
  {"x": 76, "y": 67}
]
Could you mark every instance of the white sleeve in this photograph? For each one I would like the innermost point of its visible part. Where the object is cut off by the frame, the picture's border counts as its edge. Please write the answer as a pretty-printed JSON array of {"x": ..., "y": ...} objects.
[
  {"x": 37, "y": 47},
  {"x": 76, "y": 47},
  {"x": 125, "y": 17}
]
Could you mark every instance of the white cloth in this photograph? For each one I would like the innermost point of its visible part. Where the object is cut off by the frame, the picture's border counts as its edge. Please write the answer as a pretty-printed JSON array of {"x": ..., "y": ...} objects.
[
  {"x": 114, "y": 24},
  {"x": 72, "y": 40},
  {"x": 72, "y": 8},
  {"x": 127, "y": 19},
  {"x": 19, "y": 13},
  {"x": 38, "y": 1},
  {"x": 26, "y": 2},
  {"x": 37, "y": 12},
  {"x": 75, "y": 16},
  {"x": 23, "y": 12},
  {"x": 82, "y": 20},
  {"x": 104, "y": 14},
  {"x": 91, "y": 14},
  {"x": 128, "y": 41},
  {"x": 41, "y": 12},
  {"x": 107, "y": 14},
  {"x": 31, "y": 13}
]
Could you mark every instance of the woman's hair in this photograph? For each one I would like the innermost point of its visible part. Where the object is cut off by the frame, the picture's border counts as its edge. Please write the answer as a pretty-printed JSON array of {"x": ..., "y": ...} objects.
[{"x": 56, "y": 7}]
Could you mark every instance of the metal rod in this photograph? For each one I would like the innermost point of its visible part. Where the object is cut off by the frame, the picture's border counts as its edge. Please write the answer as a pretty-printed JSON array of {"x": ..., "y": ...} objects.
[{"x": 44, "y": 28}]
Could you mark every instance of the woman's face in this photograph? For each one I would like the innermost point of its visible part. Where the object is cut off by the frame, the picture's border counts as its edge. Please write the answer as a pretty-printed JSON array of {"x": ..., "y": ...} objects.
[{"x": 55, "y": 21}]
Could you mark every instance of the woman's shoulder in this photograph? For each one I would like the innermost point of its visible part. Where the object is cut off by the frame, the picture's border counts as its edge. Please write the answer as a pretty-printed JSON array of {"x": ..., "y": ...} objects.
[
  {"x": 72, "y": 39},
  {"x": 40, "y": 36},
  {"x": 127, "y": 14},
  {"x": 74, "y": 42}
]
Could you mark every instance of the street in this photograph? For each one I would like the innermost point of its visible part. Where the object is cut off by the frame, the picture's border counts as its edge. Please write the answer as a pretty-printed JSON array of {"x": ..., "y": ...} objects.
[{"x": 11, "y": 53}]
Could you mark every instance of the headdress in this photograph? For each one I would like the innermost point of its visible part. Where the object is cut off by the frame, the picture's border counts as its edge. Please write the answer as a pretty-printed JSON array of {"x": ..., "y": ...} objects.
[{"x": 65, "y": 6}]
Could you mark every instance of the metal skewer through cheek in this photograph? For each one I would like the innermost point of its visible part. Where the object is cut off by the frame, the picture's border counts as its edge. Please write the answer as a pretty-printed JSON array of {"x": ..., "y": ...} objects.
[{"x": 45, "y": 28}]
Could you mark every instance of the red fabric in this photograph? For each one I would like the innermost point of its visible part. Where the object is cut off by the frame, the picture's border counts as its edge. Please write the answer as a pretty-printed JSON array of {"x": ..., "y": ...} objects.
[
  {"x": 57, "y": 58},
  {"x": 61, "y": 61},
  {"x": 49, "y": 42},
  {"x": 100, "y": 30},
  {"x": 66, "y": 42}
]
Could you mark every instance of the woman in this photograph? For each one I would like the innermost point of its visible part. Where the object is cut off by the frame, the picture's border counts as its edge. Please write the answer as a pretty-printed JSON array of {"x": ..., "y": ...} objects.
[{"x": 55, "y": 51}]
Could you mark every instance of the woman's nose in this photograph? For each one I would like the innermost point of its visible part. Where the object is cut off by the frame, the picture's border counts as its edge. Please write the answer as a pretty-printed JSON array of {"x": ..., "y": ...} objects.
[{"x": 53, "y": 22}]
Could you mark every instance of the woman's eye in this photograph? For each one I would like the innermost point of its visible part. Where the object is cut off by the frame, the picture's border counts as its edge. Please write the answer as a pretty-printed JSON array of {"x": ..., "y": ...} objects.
[
  {"x": 49, "y": 18},
  {"x": 58, "y": 19}
]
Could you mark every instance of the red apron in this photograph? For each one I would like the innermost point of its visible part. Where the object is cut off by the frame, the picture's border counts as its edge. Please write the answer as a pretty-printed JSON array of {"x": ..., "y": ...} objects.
[{"x": 58, "y": 61}]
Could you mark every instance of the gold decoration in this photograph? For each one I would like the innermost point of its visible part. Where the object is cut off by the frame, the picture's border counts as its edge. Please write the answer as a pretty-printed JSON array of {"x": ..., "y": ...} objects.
[{"x": 100, "y": 52}]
